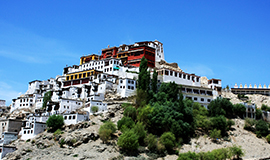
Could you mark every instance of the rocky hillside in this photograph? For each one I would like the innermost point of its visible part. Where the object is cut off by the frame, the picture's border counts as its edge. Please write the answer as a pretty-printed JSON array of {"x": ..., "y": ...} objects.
[
  {"x": 254, "y": 98},
  {"x": 81, "y": 141}
]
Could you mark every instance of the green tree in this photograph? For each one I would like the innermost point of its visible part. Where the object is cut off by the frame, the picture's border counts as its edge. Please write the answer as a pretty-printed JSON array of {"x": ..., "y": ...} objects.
[
  {"x": 239, "y": 110},
  {"x": 130, "y": 112},
  {"x": 258, "y": 113},
  {"x": 151, "y": 142},
  {"x": 143, "y": 113},
  {"x": 236, "y": 151},
  {"x": 219, "y": 123},
  {"x": 168, "y": 140},
  {"x": 230, "y": 123},
  {"x": 106, "y": 130},
  {"x": 261, "y": 128},
  {"x": 268, "y": 138},
  {"x": 215, "y": 134},
  {"x": 47, "y": 97},
  {"x": 140, "y": 132},
  {"x": 220, "y": 106},
  {"x": 154, "y": 81},
  {"x": 125, "y": 123},
  {"x": 144, "y": 75},
  {"x": 94, "y": 109},
  {"x": 128, "y": 141},
  {"x": 55, "y": 122}
]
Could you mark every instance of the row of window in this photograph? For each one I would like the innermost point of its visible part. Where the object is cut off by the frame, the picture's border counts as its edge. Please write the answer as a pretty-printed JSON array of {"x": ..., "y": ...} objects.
[
  {"x": 180, "y": 75},
  {"x": 70, "y": 117},
  {"x": 129, "y": 81},
  {"x": 26, "y": 104},
  {"x": 26, "y": 100},
  {"x": 81, "y": 75},
  {"x": 129, "y": 87},
  {"x": 202, "y": 99}
]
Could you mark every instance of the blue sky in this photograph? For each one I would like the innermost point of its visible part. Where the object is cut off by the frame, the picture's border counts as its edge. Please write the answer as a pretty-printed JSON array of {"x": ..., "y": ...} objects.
[{"x": 228, "y": 39}]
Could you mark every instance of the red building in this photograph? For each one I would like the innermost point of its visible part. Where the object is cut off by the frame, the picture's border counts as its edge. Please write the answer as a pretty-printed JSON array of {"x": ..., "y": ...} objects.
[{"x": 131, "y": 54}]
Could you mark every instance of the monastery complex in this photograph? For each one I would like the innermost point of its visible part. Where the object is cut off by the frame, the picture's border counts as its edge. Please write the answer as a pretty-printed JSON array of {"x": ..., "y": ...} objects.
[{"x": 82, "y": 86}]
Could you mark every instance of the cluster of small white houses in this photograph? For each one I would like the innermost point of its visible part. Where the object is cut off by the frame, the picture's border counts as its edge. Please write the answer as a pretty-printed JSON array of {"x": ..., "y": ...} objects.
[{"x": 86, "y": 85}]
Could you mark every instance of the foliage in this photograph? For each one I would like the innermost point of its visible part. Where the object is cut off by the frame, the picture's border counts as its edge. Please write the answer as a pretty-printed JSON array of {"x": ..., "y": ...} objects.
[
  {"x": 219, "y": 123},
  {"x": 230, "y": 123},
  {"x": 265, "y": 107},
  {"x": 249, "y": 123},
  {"x": 261, "y": 128},
  {"x": 130, "y": 112},
  {"x": 94, "y": 109},
  {"x": 141, "y": 98},
  {"x": 106, "y": 130},
  {"x": 128, "y": 141},
  {"x": 160, "y": 147},
  {"x": 47, "y": 97},
  {"x": 140, "y": 132},
  {"x": 220, "y": 106},
  {"x": 168, "y": 140},
  {"x": 200, "y": 115},
  {"x": 125, "y": 105},
  {"x": 144, "y": 75},
  {"x": 55, "y": 122},
  {"x": 239, "y": 109},
  {"x": 125, "y": 123},
  {"x": 236, "y": 151},
  {"x": 62, "y": 142},
  {"x": 240, "y": 96},
  {"x": 215, "y": 134},
  {"x": 58, "y": 132},
  {"x": 154, "y": 82},
  {"x": 151, "y": 142},
  {"x": 258, "y": 113},
  {"x": 216, "y": 154},
  {"x": 268, "y": 138},
  {"x": 143, "y": 113}
]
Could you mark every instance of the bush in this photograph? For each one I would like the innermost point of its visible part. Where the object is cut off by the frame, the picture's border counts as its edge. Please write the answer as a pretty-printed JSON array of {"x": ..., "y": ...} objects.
[
  {"x": 151, "y": 142},
  {"x": 125, "y": 105},
  {"x": 249, "y": 123},
  {"x": 219, "y": 123},
  {"x": 58, "y": 132},
  {"x": 168, "y": 140},
  {"x": 128, "y": 141},
  {"x": 47, "y": 97},
  {"x": 268, "y": 138},
  {"x": 258, "y": 113},
  {"x": 239, "y": 110},
  {"x": 230, "y": 123},
  {"x": 143, "y": 113},
  {"x": 160, "y": 147},
  {"x": 265, "y": 107},
  {"x": 215, "y": 134},
  {"x": 236, "y": 151},
  {"x": 130, "y": 112},
  {"x": 140, "y": 132},
  {"x": 94, "y": 109},
  {"x": 106, "y": 130},
  {"x": 188, "y": 156},
  {"x": 125, "y": 123},
  {"x": 261, "y": 128},
  {"x": 55, "y": 122}
]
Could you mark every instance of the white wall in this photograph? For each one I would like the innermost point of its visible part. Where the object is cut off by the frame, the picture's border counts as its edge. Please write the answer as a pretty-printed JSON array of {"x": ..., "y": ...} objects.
[
  {"x": 75, "y": 118},
  {"x": 102, "y": 107}
]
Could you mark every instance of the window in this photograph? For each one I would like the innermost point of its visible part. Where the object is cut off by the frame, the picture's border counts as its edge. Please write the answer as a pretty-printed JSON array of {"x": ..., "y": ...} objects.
[
  {"x": 121, "y": 81},
  {"x": 71, "y": 77},
  {"x": 202, "y": 99},
  {"x": 184, "y": 76},
  {"x": 128, "y": 87},
  {"x": 175, "y": 74},
  {"x": 67, "y": 101},
  {"x": 124, "y": 87},
  {"x": 195, "y": 98},
  {"x": 67, "y": 77},
  {"x": 80, "y": 75},
  {"x": 132, "y": 88},
  {"x": 69, "y": 117},
  {"x": 65, "y": 117},
  {"x": 128, "y": 81},
  {"x": 74, "y": 117},
  {"x": 171, "y": 73},
  {"x": 76, "y": 76},
  {"x": 120, "y": 86},
  {"x": 208, "y": 100}
]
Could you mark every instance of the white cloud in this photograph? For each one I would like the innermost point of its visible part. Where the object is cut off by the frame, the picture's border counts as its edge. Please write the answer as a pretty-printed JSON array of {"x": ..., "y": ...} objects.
[{"x": 198, "y": 69}]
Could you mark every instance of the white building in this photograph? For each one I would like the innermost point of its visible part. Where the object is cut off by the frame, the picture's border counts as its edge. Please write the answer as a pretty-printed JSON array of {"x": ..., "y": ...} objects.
[
  {"x": 4, "y": 149},
  {"x": 102, "y": 107},
  {"x": 126, "y": 87},
  {"x": 32, "y": 128},
  {"x": 74, "y": 118}
]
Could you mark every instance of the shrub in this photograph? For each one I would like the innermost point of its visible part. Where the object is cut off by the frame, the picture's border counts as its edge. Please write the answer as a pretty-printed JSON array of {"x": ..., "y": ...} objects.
[
  {"x": 125, "y": 105},
  {"x": 219, "y": 123},
  {"x": 106, "y": 130},
  {"x": 215, "y": 134},
  {"x": 62, "y": 142},
  {"x": 140, "y": 132},
  {"x": 130, "y": 112},
  {"x": 249, "y": 123},
  {"x": 268, "y": 138},
  {"x": 58, "y": 132},
  {"x": 168, "y": 140},
  {"x": 94, "y": 109},
  {"x": 55, "y": 122},
  {"x": 143, "y": 113},
  {"x": 125, "y": 123},
  {"x": 188, "y": 156},
  {"x": 128, "y": 141},
  {"x": 261, "y": 128},
  {"x": 151, "y": 142},
  {"x": 265, "y": 107},
  {"x": 160, "y": 147},
  {"x": 239, "y": 110},
  {"x": 230, "y": 123},
  {"x": 236, "y": 151},
  {"x": 258, "y": 113},
  {"x": 47, "y": 97}
]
